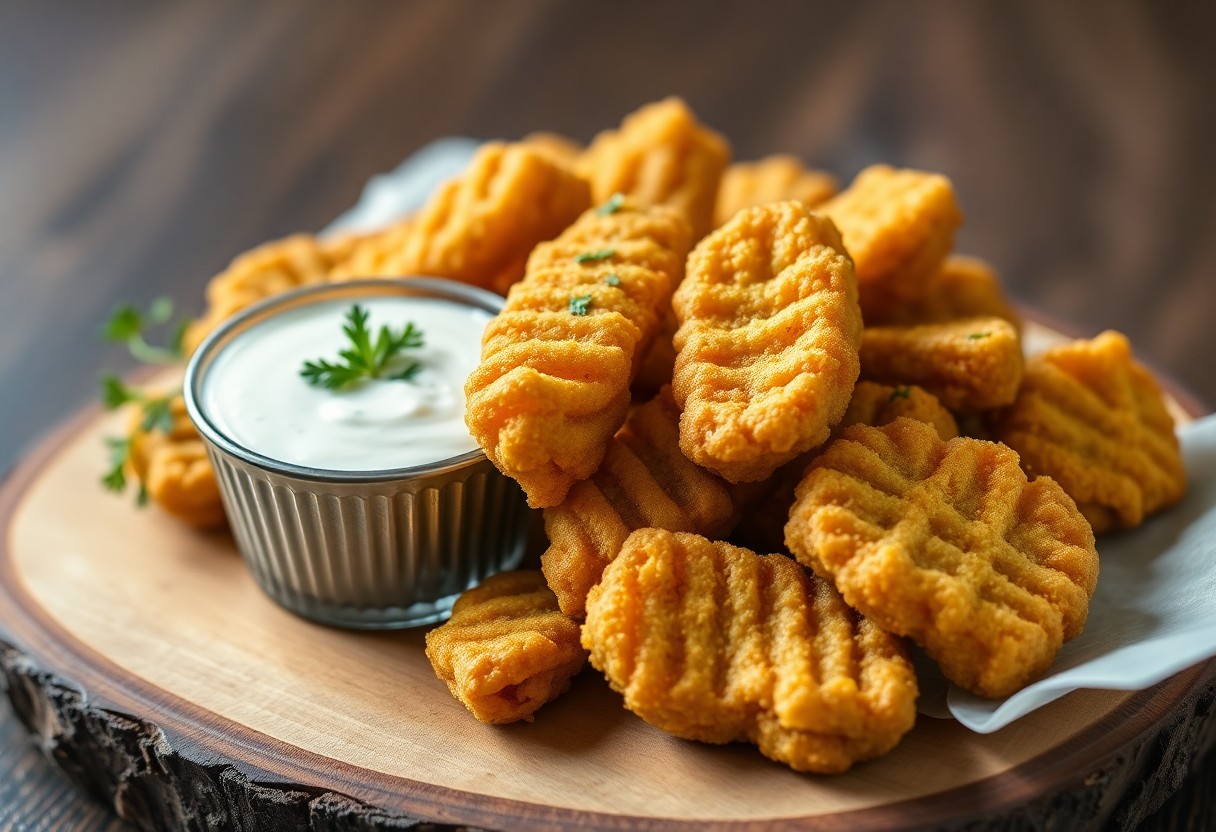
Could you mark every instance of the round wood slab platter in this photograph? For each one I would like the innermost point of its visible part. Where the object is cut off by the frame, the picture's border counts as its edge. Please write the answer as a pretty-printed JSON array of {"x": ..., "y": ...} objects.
[{"x": 146, "y": 663}]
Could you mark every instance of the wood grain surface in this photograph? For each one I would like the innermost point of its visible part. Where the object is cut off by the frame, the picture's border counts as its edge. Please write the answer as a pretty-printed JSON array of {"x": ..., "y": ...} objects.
[{"x": 143, "y": 145}]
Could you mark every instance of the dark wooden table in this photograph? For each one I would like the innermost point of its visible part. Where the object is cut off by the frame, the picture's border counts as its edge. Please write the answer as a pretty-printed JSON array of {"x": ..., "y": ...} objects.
[{"x": 143, "y": 145}]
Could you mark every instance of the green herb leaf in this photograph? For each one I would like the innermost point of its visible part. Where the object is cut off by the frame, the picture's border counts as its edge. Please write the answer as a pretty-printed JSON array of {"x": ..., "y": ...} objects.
[
  {"x": 114, "y": 394},
  {"x": 367, "y": 357},
  {"x": 612, "y": 205},
  {"x": 128, "y": 325},
  {"x": 975, "y": 336},
  {"x": 115, "y": 479},
  {"x": 595, "y": 256},
  {"x": 899, "y": 393},
  {"x": 124, "y": 323},
  {"x": 157, "y": 415},
  {"x": 612, "y": 280},
  {"x": 580, "y": 304}
]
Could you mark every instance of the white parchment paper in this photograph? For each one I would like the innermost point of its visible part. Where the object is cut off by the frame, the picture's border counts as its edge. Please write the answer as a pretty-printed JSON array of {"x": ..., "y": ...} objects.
[{"x": 1154, "y": 611}]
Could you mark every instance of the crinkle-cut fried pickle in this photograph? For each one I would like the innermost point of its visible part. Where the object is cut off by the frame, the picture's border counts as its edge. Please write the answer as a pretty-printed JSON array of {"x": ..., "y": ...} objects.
[
  {"x": 715, "y": 643},
  {"x": 558, "y": 147},
  {"x": 660, "y": 155},
  {"x": 964, "y": 287},
  {"x": 644, "y": 481},
  {"x": 479, "y": 227},
  {"x": 506, "y": 650},
  {"x": 175, "y": 470},
  {"x": 774, "y": 178},
  {"x": 659, "y": 361},
  {"x": 553, "y": 384},
  {"x": 262, "y": 272},
  {"x": 1093, "y": 419},
  {"x": 970, "y": 365},
  {"x": 378, "y": 254},
  {"x": 880, "y": 404},
  {"x": 768, "y": 338},
  {"x": 949, "y": 544},
  {"x": 898, "y": 226}
]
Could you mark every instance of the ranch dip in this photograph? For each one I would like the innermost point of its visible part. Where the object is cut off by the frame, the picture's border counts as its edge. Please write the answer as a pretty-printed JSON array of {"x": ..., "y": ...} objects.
[{"x": 253, "y": 391}]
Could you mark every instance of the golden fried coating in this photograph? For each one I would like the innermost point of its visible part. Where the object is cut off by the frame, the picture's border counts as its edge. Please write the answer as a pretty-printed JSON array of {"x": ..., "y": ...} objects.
[
  {"x": 661, "y": 155},
  {"x": 262, "y": 272},
  {"x": 553, "y": 384},
  {"x": 506, "y": 650},
  {"x": 659, "y": 360},
  {"x": 947, "y": 542},
  {"x": 970, "y": 364},
  {"x": 557, "y": 146},
  {"x": 716, "y": 643},
  {"x": 379, "y": 254},
  {"x": 776, "y": 178},
  {"x": 644, "y": 481},
  {"x": 880, "y": 404},
  {"x": 898, "y": 226},
  {"x": 480, "y": 227},
  {"x": 1093, "y": 419},
  {"x": 768, "y": 338},
  {"x": 175, "y": 471},
  {"x": 964, "y": 287}
]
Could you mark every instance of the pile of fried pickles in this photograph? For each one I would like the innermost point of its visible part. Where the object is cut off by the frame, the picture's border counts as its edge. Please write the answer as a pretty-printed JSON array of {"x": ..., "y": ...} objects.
[{"x": 777, "y": 430}]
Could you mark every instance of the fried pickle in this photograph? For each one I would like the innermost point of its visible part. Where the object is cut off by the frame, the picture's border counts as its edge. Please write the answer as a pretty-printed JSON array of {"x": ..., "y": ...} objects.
[
  {"x": 553, "y": 384},
  {"x": 1093, "y": 419},
  {"x": 715, "y": 643},
  {"x": 964, "y": 287},
  {"x": 776, "y": 178},
  {"x": 644, "y": 481},
  {"x": 768, "y": 339},
  {"x": 174, "y": 469},
  {"x": 660, "y": 155},
  {"x": 556, "y": 146},
  {"x": 970, "y": 365},
  {"x": 880, "y": 404},
  {"x": 948, "y": 543},
  {"x": 506, "y": 650}
]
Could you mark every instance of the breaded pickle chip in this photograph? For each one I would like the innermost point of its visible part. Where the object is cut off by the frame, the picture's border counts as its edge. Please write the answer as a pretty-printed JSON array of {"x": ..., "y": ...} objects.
[
  {"x": 949, "y": 544},
  {"x": 715, "y": 643},
  {"x": 1093, "y": 419},
  {"x": 175, "y": 471},
  {"x": 964, "y": 287},
  {"x": 768, "y": 338},
  {"x": 880, "y": 404},
  {"x": 506, "y": 650},
  {"x": 661, "y": 155},
  {"x": 644, "y": 481},
  {"x": 553, "y": 384},
  {"x": 970, "y": 364},
  {"x": 776, "y": 178}
]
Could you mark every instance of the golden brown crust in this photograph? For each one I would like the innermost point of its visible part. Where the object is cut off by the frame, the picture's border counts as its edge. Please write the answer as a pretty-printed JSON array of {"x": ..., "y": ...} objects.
[
  {"x": 1093, "y": 419},
  {"x": 880, "y": 404},
  {"x": 947, "y": 542},
  {"x": 644, "y": 481},
  {"x": 378, "y": 254},
  {"x": 175, "y": 471},
  {"x": 553, "y": 386},
  {"x": 970, "y": 365},
  {"x": 775, "y": 178},
  {"x": 715, "y": 643},
  {"x": 767, "y": 345},
  {"x": 506, "y": 650},
  {"x": 558, "y": 147},
  {"x": 660, "y": 155},
  {"x": 898, "y": 226},
  {"x": 964, "y": 287}
]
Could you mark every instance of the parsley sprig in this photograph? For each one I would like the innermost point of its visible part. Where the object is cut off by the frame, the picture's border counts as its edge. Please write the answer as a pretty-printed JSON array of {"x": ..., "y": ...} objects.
[
  {"x": 115, "y": 479},
  {"x": 366, "y": 358},
  {"x": 127, "y": 324},
  {"x": 157, "y": 411}
]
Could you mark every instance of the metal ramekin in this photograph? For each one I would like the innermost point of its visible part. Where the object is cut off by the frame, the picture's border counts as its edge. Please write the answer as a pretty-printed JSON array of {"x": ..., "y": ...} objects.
[{"x": 365, "y": 549}]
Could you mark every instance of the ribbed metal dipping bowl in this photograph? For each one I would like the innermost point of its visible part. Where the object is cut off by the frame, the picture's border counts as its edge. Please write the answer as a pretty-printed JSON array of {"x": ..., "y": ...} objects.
[{"x": 366, "y": 549}]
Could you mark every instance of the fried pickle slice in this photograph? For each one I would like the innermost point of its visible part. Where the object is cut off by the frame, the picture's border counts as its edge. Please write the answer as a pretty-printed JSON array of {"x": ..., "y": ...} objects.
[
  {"x": 558, "y": 147},
  {"x": 776, "y": 178},
  {"x": 898, "y": 226},
  {"x": 553, "y": 384},
  {"x": 174, "y": 469},
  {"x": 506, "y": 650},
  {"x": 1094, "y": 420},
  {"x": 378, "y": 254},
  {"x": 644, "y": 481},
  {"x": 964, "y": 287},
  {"x": 660, "y": 155},
  {"x": 767, "y": 345},
  {"x": 970, "y": 365},
  {"x": 715, "y": 643},
  {"x": 949, "y": 544}
]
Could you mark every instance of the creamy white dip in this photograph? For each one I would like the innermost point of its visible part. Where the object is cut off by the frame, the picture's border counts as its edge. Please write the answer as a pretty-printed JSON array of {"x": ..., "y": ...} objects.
[{"x": 253, "y": 391}]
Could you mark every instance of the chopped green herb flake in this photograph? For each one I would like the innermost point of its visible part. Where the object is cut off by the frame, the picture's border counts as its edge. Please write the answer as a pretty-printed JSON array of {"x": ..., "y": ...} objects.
[
  {"x": 612, "y": 205},
  {"x": 366, "y": 358},
  {"x": 595, "y": 256},
  {"x": 612, "y": 280},
  {"x": 580, "y": 304},
  {"x": 899, "y": 393},
  {"x": 975, "y": 336}
]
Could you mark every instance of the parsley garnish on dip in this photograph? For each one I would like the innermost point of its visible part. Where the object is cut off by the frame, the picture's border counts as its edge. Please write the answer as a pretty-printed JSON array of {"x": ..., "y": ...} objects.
[{"x": 389, "y": 392}]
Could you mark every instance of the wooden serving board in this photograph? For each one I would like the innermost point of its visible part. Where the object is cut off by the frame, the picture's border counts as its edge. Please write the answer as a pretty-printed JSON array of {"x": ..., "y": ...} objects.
[{"x": 147, "y": 663}]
